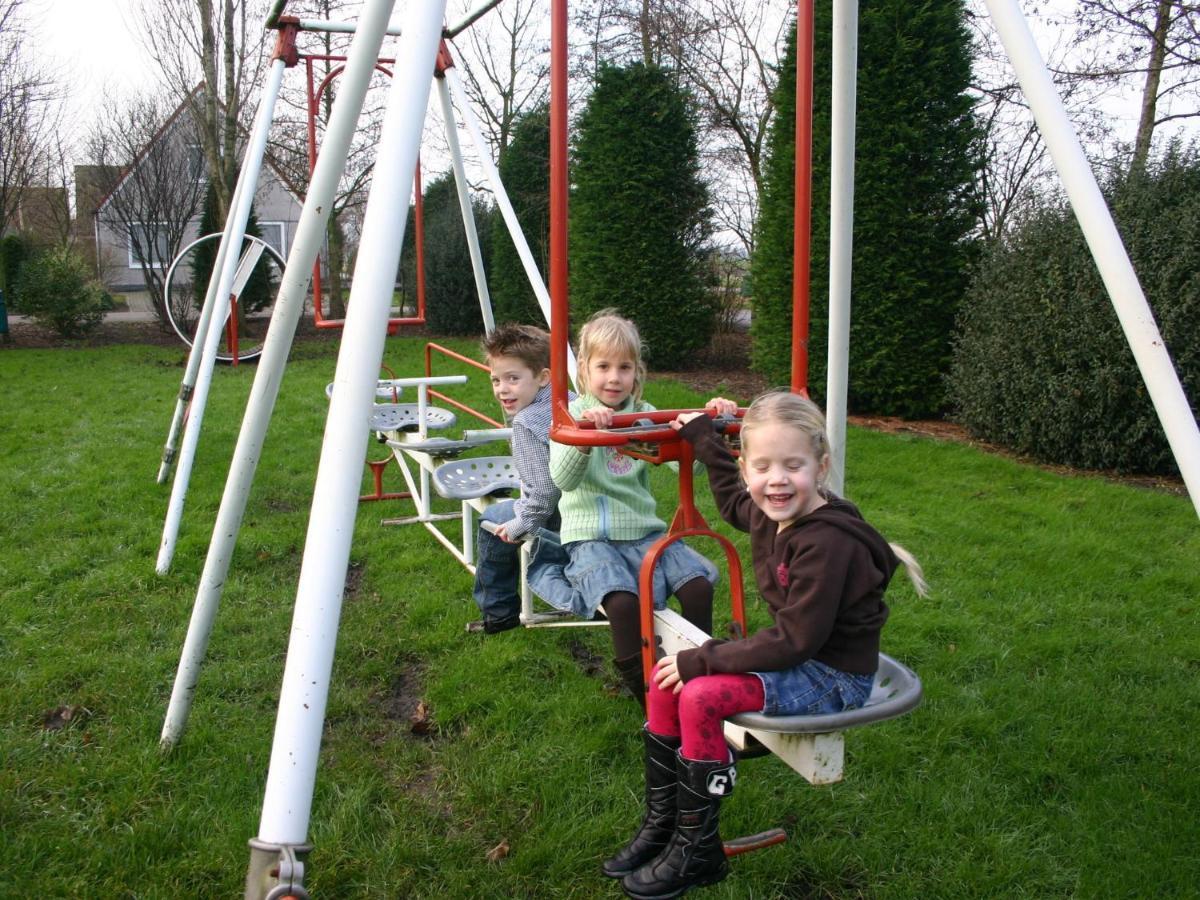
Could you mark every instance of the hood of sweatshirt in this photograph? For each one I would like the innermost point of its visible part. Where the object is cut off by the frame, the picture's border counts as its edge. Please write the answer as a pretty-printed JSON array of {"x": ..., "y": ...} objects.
[{"x": 844, "y": 515}]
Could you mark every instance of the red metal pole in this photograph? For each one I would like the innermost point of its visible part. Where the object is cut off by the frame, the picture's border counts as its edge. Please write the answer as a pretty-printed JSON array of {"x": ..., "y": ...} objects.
[
  {"x": 559, "y": 325},
  {"x": 802, "y": 222}
]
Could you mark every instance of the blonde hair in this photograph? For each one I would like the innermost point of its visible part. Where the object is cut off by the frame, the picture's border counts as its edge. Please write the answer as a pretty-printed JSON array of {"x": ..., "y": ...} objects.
[
  {"x": 782, "y": 407},
  {"x": 609, "y": 332}
]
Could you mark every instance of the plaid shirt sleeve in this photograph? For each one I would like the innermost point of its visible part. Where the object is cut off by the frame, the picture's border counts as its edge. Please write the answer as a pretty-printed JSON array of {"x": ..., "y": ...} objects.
[{"x": 531, "y": 453}]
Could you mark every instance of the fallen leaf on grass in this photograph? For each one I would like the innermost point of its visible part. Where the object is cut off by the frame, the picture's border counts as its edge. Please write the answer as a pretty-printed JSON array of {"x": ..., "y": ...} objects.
[
  {"x": 60, "y": 717},
  {"x": 421, "y": 722},
  {"x": 498, "y": 852}
]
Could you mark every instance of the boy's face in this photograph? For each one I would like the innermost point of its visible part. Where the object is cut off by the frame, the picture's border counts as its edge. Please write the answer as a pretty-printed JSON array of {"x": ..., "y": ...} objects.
[{"x": 514, "y": 383}]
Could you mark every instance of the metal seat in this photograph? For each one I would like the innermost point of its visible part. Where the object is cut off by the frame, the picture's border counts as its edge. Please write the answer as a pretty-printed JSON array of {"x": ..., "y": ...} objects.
[
  {"x": 406, "y": 417},
  {"x": 897, "y": 690},
  {"x": 466, "y": 479}
]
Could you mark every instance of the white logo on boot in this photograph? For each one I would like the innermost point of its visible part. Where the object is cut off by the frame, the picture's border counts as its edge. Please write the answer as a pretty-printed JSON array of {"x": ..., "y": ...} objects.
[{"x": 721, "y": 782}]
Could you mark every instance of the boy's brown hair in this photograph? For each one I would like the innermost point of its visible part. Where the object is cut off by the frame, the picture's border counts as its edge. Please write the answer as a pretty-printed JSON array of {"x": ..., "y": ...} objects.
[{"x": 529, "y": 344}]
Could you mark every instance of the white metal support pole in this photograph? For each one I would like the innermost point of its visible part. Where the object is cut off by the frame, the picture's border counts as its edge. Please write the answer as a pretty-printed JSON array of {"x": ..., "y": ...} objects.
[
  {"x": 287, "y": 801},
  {"x": 841, "y": 231},
  {"x": 506, "y": 209},
  {"x": 289, "y": 306},
  {"x": 188, "y": 383},
  {"x": 216, "y": 305},
  {"x": 1137, "y": 320},
  {"x": 464, "y": 204}
]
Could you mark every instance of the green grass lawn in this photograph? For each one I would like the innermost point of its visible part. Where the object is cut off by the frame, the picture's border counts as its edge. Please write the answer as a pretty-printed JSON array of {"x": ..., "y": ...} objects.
[{"x": 1054, "y": 755}]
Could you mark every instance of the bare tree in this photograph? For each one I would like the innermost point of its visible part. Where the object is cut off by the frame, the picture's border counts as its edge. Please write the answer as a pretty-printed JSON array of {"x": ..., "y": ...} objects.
[
  {"x": 220, "y": 45},
  {"x": 725, "y": 52},
  {"x": 505, "y": 71},
  {"x": 1016, "y": 162},
  {"x": 29, "y": 114},
  {"x": 1156, "y": 41},
  {"x": 154, "y": 187}
]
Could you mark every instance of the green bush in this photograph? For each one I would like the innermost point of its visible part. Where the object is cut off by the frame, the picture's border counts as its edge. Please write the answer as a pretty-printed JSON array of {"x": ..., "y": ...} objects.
[
  {"x": 57, "y": 290},
  {"x": 259, "y": 290},
  {"x": 639, "y": 213},
  {"x": 914, "y": 208},
  {"x": 1041, "y": 363}
]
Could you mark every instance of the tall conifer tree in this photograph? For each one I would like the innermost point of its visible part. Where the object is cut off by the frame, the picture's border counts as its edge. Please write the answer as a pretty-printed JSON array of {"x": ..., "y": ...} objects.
[
  {"x": 915, "y": 207},
  {"x": 639, "y": 212}
]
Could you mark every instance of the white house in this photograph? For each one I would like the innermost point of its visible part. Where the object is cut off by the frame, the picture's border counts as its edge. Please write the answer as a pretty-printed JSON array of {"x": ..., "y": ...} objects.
[{"x": 153, "y": 208}]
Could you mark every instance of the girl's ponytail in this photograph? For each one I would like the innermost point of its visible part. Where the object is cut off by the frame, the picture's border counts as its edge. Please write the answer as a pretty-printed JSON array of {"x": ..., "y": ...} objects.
[{"x": 913, "y": 569}]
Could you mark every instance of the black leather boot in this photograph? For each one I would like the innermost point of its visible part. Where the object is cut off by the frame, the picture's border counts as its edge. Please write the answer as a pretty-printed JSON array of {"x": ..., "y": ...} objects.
[
  {"x": 695, "y": 855},
  {"x": 630, "y": 670},
  {"x": 658, "y": 822}
]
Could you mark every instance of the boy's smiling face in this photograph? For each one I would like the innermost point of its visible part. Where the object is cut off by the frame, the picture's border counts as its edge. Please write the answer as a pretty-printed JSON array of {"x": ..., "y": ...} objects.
[{"x": 514, "y": 383}]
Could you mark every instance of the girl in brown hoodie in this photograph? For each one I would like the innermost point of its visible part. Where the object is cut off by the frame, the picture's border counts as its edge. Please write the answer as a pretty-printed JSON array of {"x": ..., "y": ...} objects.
[{"x": 822, "y": 570}]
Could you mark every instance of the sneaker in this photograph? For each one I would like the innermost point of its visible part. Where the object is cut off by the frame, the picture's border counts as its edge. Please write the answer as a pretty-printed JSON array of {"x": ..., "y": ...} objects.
[{"x": 493, "y": 626}]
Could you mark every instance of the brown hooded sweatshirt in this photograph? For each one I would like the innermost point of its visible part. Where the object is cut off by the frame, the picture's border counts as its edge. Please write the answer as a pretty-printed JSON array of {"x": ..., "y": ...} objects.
[{"x": 823, "y": 578}]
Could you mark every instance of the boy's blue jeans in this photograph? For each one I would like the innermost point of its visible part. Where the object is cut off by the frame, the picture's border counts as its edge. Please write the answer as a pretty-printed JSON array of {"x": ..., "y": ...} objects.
[{"x": 498, "y": 566}]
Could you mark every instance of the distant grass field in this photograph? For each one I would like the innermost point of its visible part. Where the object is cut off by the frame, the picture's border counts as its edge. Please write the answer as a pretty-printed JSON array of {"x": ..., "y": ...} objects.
[{"x": 1054, "y": 755}]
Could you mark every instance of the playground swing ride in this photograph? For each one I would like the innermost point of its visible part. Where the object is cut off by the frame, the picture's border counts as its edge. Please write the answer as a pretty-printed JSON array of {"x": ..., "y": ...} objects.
[{"x": 811, "y": 745}]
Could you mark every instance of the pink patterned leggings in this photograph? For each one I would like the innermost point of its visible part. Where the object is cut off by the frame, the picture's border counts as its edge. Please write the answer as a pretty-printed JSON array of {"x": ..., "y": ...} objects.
[{"x": 695, "y": 713}]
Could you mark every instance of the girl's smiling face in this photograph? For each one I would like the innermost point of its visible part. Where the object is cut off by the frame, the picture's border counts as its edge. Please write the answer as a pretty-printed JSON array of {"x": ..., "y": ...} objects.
[
  {"x": 610, "y": 378},
  {"x": 782, "y": 473}
]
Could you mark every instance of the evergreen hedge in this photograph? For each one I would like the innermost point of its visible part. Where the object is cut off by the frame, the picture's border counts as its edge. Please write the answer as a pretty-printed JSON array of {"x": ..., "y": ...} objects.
[
  {"x": 915, "y": 207},
  {"x": 525, "y": 172},
  {"x": 639, "y": 213},
  {"x": 1041, "y": 363},
  {"x": 451, "y": 299}
]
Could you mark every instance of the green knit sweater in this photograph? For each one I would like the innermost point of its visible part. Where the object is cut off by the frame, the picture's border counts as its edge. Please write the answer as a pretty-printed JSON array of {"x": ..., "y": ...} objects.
[{"x": 605, "y": 494}]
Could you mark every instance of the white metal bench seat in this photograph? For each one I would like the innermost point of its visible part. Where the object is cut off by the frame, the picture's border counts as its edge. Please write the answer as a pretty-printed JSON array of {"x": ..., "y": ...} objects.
[
  {"x": 466, "y": 479},
  {"x": 407, "y": 417},
  {"x": 897, "y": 690}
]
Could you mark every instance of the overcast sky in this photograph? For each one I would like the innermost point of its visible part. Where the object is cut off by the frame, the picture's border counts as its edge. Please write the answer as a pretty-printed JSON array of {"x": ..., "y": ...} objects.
[{"x": 90, "y": 44}]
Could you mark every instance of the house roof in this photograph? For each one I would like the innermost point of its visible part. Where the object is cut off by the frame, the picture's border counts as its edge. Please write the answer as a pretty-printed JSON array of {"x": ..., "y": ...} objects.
[{"x": 167, "y": 125}]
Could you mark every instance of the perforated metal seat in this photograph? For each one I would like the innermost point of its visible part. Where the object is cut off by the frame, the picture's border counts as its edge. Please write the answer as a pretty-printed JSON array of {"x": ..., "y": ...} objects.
[
  {"x": 406, "y": 417},
  {"x": 897, "y": 690},
  {"x": 466, "y": 479}
]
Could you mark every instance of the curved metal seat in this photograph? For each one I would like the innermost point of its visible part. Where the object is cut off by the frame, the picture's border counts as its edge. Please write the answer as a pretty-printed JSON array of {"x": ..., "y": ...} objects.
[
  {"x": 406, "y": 417},
  {"x": 897, "y": 690},
  {"x": 466, "y": 479},
  {"x": 441, "y": 446}
]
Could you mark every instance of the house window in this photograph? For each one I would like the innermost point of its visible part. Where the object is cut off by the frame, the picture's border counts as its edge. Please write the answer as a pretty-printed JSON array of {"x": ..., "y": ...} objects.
[
  {"x": 148, "y": 246},
  {"x": 195, "y": 162},
  {"x": 275, "y": 234}
]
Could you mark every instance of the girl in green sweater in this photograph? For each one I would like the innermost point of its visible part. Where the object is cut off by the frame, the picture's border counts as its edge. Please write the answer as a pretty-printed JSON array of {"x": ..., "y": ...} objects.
[{"x": 608, "y": 516}]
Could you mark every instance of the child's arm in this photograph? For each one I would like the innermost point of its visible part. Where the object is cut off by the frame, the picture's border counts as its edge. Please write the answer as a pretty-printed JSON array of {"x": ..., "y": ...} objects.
[
  {"x": 539, "y": 493},
  {"x": 724, "y": 478}
]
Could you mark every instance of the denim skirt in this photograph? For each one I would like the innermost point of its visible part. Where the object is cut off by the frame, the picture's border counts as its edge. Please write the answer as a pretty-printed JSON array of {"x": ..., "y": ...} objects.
[
  {"x": 813, "y": 688},
  {"x": 582, "y": 573}
]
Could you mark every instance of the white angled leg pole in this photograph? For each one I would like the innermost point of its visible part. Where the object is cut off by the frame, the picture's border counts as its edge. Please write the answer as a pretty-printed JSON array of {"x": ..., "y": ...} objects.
[
  {"x": 506, "y": 209},
  {"x": 289, "y": 306},
  {"x": 1102, "y": 237},
  {"x": 287, "y": 801},
  {"x": 468, "y": 212},
  {"x": 215, "y": 306},
  {"x": 841, "y": 232}
]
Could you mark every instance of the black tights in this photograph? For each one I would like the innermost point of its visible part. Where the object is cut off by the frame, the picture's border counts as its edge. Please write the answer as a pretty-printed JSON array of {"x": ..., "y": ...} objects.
[{"x": 624, "y": 614}]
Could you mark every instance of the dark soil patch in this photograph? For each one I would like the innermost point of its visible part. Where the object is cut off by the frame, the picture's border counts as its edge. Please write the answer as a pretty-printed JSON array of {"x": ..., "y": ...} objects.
[{"x": 404, "y": 700}]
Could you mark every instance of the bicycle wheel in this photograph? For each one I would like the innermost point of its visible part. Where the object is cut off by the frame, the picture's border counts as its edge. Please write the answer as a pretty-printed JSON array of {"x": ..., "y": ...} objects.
[{"x": 256, "y": 280}]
